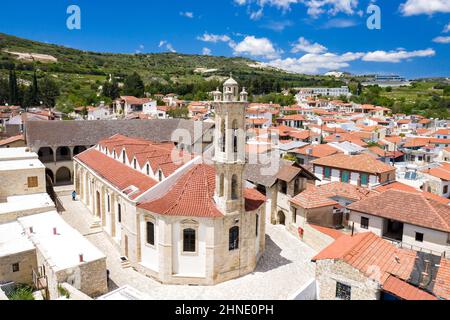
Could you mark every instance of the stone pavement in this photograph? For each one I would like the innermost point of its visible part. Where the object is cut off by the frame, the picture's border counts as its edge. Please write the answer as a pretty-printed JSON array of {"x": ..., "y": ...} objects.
[{"x": 284, "y": 268}]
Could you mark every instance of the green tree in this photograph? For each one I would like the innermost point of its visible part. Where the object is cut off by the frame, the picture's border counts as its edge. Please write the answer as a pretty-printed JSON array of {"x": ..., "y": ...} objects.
[
  {"x": 134, "y": 86},
  {"x": 111, "y": 89},
  {"x": 13, "y": 88},
  {"x": 49, "y": 92}
]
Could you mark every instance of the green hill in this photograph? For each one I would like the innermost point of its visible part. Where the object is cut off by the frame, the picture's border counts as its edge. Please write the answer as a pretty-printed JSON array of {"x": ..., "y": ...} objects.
[{"x": 80, "y": 73}]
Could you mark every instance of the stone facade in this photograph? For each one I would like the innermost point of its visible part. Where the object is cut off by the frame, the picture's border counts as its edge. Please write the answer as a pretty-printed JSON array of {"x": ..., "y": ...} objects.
[
  {"x": 26, "y": 262},
  {"x": 330, "y": 272}
]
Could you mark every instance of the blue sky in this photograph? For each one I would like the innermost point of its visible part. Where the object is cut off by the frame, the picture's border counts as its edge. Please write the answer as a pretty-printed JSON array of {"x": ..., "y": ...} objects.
[{"x": 307, "y": 36}]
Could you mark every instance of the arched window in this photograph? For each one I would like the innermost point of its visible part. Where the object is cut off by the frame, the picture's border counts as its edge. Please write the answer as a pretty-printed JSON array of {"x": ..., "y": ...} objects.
[
  {"x": 119, "y": 213},
  {"x": 223, "y": 137},
  {"x": 235, "y": 138},
  {"x": 257, "y": 224},
  {"x": 234, "y": 187},
  {"x": 123, "y": 156},
  {"x": 222, "y": 185},
  {"x": 160, "y": 175},
  {"x": 150, "y": 233},
  {"x": 189, "y": 240},
  {"x": 148, "y": 169},
  {"x": 134, "y": 163},
  {"x": 234, "y": 239}
]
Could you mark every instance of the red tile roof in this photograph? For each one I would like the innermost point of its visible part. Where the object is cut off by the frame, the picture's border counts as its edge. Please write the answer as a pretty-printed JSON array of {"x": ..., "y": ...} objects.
[
  {"x": 253, "y": 199},
  {"x": 333, "y": 233},
  {"x": 407, "y": 207},
  {"x": 119, "y": 175},
  {"x": 193, "y": 196},
  {"x": 394, "y": 266},
  {"x": 317, "y": 151},
  {"x": 361, "y": 162},
  {"x": 403, "y": 187},
  {"x": 404, "y": 290},
  {"x": 12, "y": 139}
]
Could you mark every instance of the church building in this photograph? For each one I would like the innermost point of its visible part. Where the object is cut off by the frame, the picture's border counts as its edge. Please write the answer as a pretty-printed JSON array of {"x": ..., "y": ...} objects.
[{"x": 179, "y": 222}]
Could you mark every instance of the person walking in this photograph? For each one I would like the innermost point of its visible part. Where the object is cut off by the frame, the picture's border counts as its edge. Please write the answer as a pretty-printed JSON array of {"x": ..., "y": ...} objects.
[{"x": 74, "y": 195}]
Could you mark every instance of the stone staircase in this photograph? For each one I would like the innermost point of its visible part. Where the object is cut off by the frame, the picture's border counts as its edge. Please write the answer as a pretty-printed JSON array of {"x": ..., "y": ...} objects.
[
  {"x": 96, "y": 226},
  {"x": 125, "y": 263}
]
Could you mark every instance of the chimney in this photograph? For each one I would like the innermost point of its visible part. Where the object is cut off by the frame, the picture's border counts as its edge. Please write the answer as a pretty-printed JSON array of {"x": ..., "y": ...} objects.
[{"x": 81, "y": 257}]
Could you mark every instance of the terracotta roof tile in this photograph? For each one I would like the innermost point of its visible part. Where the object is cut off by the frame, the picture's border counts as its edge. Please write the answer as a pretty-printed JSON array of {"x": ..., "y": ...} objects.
[
  {"x": 119, "y": 175},
  {"x": 404, "y": 290},
  {"x": 407, "y": 207},
  {"x": 361, "y": 162}
]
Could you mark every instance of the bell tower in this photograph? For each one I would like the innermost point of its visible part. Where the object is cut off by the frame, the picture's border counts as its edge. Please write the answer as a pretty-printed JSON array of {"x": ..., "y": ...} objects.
[{"x": 229, "y": 147}]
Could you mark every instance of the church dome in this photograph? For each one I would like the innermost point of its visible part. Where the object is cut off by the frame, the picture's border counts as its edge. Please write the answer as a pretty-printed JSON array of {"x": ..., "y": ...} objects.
[{"x": 230, "y": 82}]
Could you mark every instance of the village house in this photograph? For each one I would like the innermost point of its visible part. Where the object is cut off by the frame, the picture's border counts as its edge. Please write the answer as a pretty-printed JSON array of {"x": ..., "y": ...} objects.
[
  {"x": 366, "y": 267},
  {"x": 36, "y": 246},
  {"x": 409, "y": 218},
  {"x": 361, "y": 170},
  {"x": 438, "y": 180}
]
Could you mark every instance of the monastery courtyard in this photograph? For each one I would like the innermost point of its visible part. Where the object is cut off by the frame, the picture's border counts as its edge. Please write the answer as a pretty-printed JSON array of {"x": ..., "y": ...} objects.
[{"x": 285, "y": 267}]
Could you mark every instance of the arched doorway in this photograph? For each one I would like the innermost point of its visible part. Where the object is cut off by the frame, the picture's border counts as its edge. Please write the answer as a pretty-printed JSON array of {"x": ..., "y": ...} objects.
[
  {"x": 78, "y": 149},
  {"x": 281, "y": 218},
  {"x": 63, "y": 176},
  {"x": 46, "y": 155},
  {"x": 63, "y": 154}
]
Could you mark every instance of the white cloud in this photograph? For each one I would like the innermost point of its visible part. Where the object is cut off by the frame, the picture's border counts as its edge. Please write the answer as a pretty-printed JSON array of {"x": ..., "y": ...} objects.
[
  {"x": 214, "y": 38},
  {"x": 168, "y": 46},
  {"x": 442, "y": 40},
  {"x": 397, "y": 55},
  {"x": 187, "y": 14},
  {"x": 206, "y": 51},
  {"x": 303, "y": 45},
  {"x": 277, "y": 25},
  {"x": 256, "y": 15},
  {"x": 316, "y": 63},
  {"x": 315, "y": 7},
  {"x": 256, "y": 47},
  {"x": 416, "y": 7},
  {"x": 446, "y": 28},
  {"x": 313, "y": 63},
  {"x": 332, "y": 7},
  {"x": 339, "y": 23}
]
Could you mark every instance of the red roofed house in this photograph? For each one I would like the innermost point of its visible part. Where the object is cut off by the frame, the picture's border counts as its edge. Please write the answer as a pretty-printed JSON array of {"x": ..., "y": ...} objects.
[
  {"x": 366, "y": 267},
  {"x": 412, "y": 219},
  {"x": 361, "y": 170},
  {"x": 174, "y": 218},
  {"x": 438, "y": 180}
]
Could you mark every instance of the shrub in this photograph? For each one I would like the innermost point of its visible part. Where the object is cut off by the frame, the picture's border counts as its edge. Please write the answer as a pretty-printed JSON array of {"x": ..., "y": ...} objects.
[{"x": 21, "y": 292}]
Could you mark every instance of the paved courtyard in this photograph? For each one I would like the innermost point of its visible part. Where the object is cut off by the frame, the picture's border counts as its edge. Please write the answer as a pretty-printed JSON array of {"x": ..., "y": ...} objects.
[{"x": 284, "y": 268}]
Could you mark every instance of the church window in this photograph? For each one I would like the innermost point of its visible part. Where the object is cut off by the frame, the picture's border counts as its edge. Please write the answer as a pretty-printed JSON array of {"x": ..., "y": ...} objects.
[
  {"x": 234, "y": 239},
  {"x": 234, "y": 187},
  {"x": 189, "y": 240},
  {"x": 222, "y": 185},
  {"x": 151, "y": 233}
]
